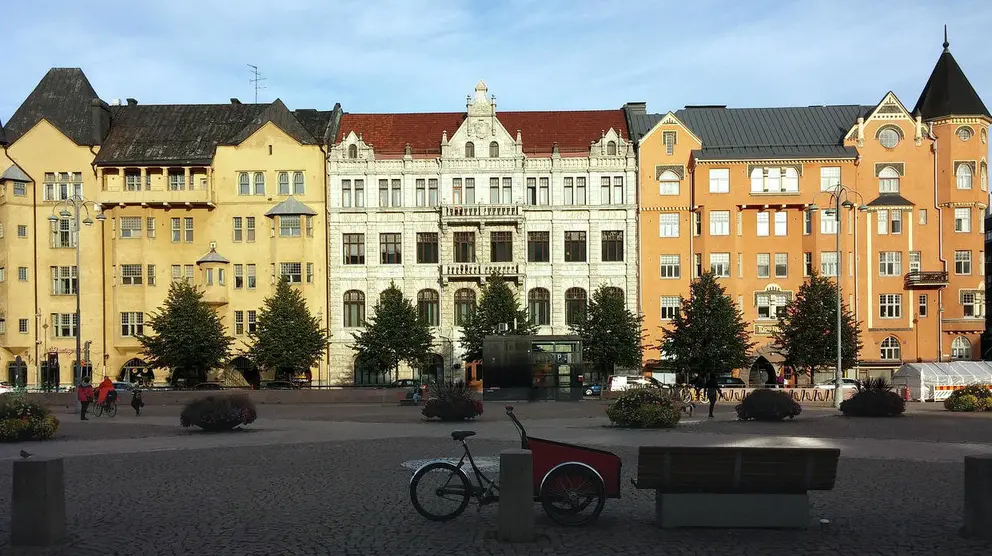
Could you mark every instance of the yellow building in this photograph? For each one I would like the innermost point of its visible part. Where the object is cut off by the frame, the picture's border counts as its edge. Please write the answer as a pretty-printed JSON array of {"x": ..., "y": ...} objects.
[{"x": 230, "y": 196}]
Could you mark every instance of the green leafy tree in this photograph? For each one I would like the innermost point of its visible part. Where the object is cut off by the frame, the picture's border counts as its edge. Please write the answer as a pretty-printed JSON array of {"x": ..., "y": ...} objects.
[
  {"x": 287, "y": 337},
  {"x": 708, "y": 334},
  {"x": 394, "y": 333},
  {"x": 807, "y": 333},
  {"x": 497, "y": 305},
  {"x": 611, "y": 334},
  {"x": 189, "y": 337}
]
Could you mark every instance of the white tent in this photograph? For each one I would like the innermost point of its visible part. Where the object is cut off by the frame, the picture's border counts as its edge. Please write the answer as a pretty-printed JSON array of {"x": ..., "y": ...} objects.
[{"x": 936, "y": 381}]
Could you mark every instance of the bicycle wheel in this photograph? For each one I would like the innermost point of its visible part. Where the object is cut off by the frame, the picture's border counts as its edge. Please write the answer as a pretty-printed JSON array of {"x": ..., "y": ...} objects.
[
  {"x": 573, "y": 495},
  {"x": 112, "y": 409},
  {"x": 97, "y": 410},
  {"x": 440, "y": 491}
]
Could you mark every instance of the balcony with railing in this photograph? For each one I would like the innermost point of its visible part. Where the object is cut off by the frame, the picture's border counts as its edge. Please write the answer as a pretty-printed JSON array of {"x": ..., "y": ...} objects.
[
  {"x": 481, "y": 213},
  {"x": 923, "y": 279},
  {"x": 480, "y": 271}
]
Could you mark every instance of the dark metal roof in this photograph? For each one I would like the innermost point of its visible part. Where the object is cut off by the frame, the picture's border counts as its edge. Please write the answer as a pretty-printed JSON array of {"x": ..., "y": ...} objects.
[
  {"x": 213, "y": 257},
  {"x": 3, "y": 135},
  {"x": 948, "y": 92},
  {"x": 890, "y": 200},
  {"x": 290, "y": 207},
  {"x": 14, "y": 173},
  {"x": 641, "y": 124},
  {"x": 63, "y": 98}
]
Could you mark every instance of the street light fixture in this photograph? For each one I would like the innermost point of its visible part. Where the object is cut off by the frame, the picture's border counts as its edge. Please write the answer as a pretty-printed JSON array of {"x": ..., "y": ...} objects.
[{"x": 839, "y": 198}]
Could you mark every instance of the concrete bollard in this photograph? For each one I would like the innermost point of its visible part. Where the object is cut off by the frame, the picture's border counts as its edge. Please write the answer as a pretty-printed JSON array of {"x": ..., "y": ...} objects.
[
  {"x": 978, "y": 496},
  {"x": 37, "y": 516},
  {"x": 516, "y": 496}
]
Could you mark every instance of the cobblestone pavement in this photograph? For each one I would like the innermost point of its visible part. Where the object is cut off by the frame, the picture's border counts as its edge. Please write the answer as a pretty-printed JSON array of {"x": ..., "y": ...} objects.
[{"x": 351, "y": 498}]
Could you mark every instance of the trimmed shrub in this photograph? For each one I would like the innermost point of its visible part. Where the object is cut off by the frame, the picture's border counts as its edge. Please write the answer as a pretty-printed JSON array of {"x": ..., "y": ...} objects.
[
  {"x": 645, "y": 408},
  {"x": 874, "y": 398},
  {"x": 974, "y": 397},
  {"x": 451, "y": 402},
  {"x": 766, "y": 404},
  {"x": 21, "y": 419},
  {"x": 219, "y": 413}
]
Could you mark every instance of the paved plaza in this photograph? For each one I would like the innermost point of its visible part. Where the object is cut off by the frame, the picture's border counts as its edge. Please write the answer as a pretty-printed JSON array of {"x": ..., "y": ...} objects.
[{"x": 322, "y": 479}]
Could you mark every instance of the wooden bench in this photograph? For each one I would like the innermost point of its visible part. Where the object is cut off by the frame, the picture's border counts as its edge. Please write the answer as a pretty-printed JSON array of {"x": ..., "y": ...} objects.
[{"x": 734, "y": 487}]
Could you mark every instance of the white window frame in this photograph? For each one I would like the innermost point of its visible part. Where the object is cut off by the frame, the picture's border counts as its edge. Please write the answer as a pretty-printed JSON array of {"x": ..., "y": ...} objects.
[
  {"x": 972, "y": 303},
  {"x": 890, "y": 306},
  {"x": 670, "y": 267},
  {"x": 829, "y": 223},
  {"x": 964, "y": 176},
  {"x": 764, "y": 265},
  {"x": 828, "y": 264},
  {"x": 668, "y": 183},
  {"x": 781, "y": 223},
  {"x": 719, "y": 222},
  {"x": 668, "y": 224},
  {"x": 890, "y": 263},
  {"x": 781, "y": 265},
  {"x": 720, "y": 265},
  {"x": 669, "y": 306},
  {"x": 888, "y": 180},
  {"x": 962, "y": 263},
  {"x": 761, "y": 227},
  {"x": 829, "y": 178},
  {"x": 962, "y": 220},
  {"x": 719, "y": 180}
]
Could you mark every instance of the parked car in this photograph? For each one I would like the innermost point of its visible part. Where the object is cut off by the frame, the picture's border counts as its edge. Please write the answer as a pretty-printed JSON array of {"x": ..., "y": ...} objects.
[
  {"x": 279, "y": 385},
  {"x": 593, "y": 390},
  {"x": 617, "y": 383},
  {"x": 406, "y": 383},
  {"x": 123, "y": 386},
  {"x": 208, "y": 386},
  {"x": 6, "y": 387},
  {"x": 848, "y": 384},
  {"x": 730, "y": 382}
]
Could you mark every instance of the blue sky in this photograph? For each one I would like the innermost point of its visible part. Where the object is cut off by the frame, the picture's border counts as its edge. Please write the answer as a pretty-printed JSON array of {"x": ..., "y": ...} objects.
[{"x": 426, "y": 55}]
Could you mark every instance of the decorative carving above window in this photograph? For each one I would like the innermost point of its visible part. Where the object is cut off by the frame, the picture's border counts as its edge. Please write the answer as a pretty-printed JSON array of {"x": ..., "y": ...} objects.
[
  {"x": 677, "y": 170},
  {"x": 897, "y": 166},
  {"x": 968, "y": 163}
]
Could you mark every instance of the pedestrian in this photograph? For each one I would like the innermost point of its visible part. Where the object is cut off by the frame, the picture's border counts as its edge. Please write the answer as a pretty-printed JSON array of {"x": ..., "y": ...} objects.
[
  {"x": 136, "y": 402},
  {"x": 712, "y": 391},
  {"x": 84, "y": 393}
]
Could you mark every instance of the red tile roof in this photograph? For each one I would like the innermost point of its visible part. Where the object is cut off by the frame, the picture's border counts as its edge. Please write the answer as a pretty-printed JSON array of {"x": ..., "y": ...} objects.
[{"x": 572, "y": 130}]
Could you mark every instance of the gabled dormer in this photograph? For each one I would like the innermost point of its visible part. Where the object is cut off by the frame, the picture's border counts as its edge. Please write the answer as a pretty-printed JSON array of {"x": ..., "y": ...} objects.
[{"x": 353, "y": 147}]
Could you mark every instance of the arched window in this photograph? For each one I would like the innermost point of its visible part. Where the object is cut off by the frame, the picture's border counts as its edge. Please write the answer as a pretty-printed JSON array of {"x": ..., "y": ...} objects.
[
  {"x": 575, "y": 305},
  {"x": 493, "y": 149},
  {"x": 464, "y": 305},
  {"x": 283, "y": 183},
  {"x": 964, "y": 175},
  {"x": 354, "y": 309},
  {"x": 244, "y": 184},
  {"x": 299, "y": 188},
  {"x": 889, "y": 137},
  {"x": 965, "y": 133},
  {"x": 352, "y": 151},
  {"x": 611, "y": 148},
  {"x": 613, "y": 291},
  {"x": 469, "y": 150},
  {"x": 539, "y": 306},
  {"x": 984, "y": 176},
  {"x": 890, "y": 350},
  {"x": 429, "y": 307},
  {"x": 669, "y": 183},
  {"x": 960, "y": 348},
  {"x": 790, "y": 180},
  {"x": 259, "y": 183},
  {"x": 985, "y": 136},
  {"x": 134, "y": 370},
  {"x": 888, "y": 180},
  {"x": 757, "y": 180}
]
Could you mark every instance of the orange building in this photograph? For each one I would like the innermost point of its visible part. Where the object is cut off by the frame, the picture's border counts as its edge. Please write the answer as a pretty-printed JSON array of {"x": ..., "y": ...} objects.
[{"x": 731, "y": 190}]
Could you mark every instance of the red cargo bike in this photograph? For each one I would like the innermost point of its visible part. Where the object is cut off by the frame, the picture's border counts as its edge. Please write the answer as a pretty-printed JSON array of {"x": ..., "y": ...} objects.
[{"x": 571, "y": 482}]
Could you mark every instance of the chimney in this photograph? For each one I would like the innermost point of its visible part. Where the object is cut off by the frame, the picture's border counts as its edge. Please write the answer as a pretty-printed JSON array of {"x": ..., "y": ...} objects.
[
  {"x": 115, "y": 102},
  {"x": 132, "y": 102},
  {"x": 235, "y": 101},
  {"x": 100, "y": 121},
  {"x": 636, "y": 108}
]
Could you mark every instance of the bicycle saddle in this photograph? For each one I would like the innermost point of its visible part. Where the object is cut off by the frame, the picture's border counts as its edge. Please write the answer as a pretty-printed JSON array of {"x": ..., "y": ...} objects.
[{"x": 461, "y": 435}]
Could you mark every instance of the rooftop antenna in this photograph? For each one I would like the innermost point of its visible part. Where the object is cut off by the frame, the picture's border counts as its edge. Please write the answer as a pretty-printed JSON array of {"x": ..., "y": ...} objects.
[{"x": 256, "y": 79}]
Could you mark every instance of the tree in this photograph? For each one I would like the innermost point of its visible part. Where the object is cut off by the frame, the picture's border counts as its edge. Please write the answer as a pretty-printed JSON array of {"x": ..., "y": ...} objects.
[
  {"x": 394, "y": 333},
  {"x": 497, "y": 305},
  {"x": 611, "y": 334},
  {"x": 807, "y": 333},
  {"x": 287, "y": 337},
  {"x": 189, "y": 336},
  {"x": 708, "y": 334}
]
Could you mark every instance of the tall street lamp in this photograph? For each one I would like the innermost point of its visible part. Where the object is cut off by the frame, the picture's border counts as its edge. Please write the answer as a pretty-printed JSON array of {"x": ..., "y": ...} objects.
[
  {"x": 73, "y": 207},
  {"x": 839, "y": 197}
]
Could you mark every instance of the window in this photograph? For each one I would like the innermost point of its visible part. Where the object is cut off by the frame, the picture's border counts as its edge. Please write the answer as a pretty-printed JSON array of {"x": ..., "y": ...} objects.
[
  {"x": 396, "y": 191},
  {"x": 544, "y": 191},
  {"x": 781, "y": 223},
  {"x": 890, "y": 305},
  {"x": 464, "y": 305},
  {"x": 568, "y": 190},
  {"x": 309, "y": 221},
  {"x": 964, "y": 176},
  {"x": 984, "y": 176},
  {"x": 575, "y": 247},
  {"x": 469, "y": 150},
  {"x": 60, "y": 186},
  {"x": 670, "y": 305},
  {"x": 697, "y": 261},
  {"x": 774, "y": 180},
  {"x": 720, "y": 264},
  {"x": 239, "y": 322},
  {"x": 771, "y": 305},
  {"x": 668, "y": 183},
  {"x": 252, "y": 278},
  {"x": 259, "y": 180},
  {"x": 671, "y": 267},
  {"x": 299, "y": 185},
  {"x": 539, "y": 306},
  {"x": 575, "y": 305},
  {"x": 764, "y": 265},
  {"x": 923, "y": 305},
  {"x": 22, "y": 273},
  {"x": 432, "y": 195},
  {"x": 807, "y": 264},
  {"x": 923, "y": 216},
  {"x": 720, "y": 223},
  {"x": 828, "y": 263},
  {"x": 346, "y": 193},
  {"x": 965, "y": 133},
  {"x": 668, "y": 139},
  {"x": 469, "y": 191},
  {"x": 65, "y": 280},
  {"x": 132, "y": 323},
  {"x": 618, "y": 198},
  {"x": 668, "y": 224},
  {"x": 383, "y": 193},
  {"x": 501, "y": 247},
  {"x": 828, "y": 221},
  {"x": 239, "y": 276},
  {"x": 493, "y": 149},
  {"x": 130, "y": 227},
  {"x": 962, "y": 262},
  {"x": 807, "y": 223},
  {"x": 353, "y": 248},
  {"x": 354, "y": 309},
  {"x": 177, "y": 272},
  {"x": 283, "y": 183},
  {"x": 889, "y": 137},
  {"x": 22, "y": 231},
  {"x": 494, "y": 191},
  {"x": 359, "y": 193},
  {"x": 960, "y": 348},
  {"x": 64, "y": 325},
  {"x": 538, "y": 247},
  {"x": 464, "y": 243},
  {"x": 507, "y": 194},
  {"x": 177, "y": 180},
  {"x": 890, "y": 349},
  {"x": 790, "y": 180},
  {"x": 720, "y": 180},
  {"x": 22, "y": 325},
  {"x": 63, "y": 233},
  {"x": 352, "y": 151},
  {"x": 244, "y": 184},
  {"x": 973, "y": 303},
  {"x": 762, "y": 228},
  {"x": 612, "y": 248},
  {"x": 611, "y": 148},
  {"x": 890, "y": 263},
  {"x": 390, "y": 248},
  {"x": 292, "y": 272},
  {"x": 829, "y": 178},
  {"x": 252, "y": 321},
  {"x": 883, "y": 221},
  {"x": 238, "y": 223},
  {"x": 888, "y": 180},
  {"x": 420, "y": 187},
  {"x": 531, "y": 191},
  {"x": 895, "y": 223},
  {"x": 250, "y": 228},
  {"x": 429, "y": 307},
  {"x": 781, "y": 265},
  {"x": 289, "y": 225},
  {"x": 580, "y": 190},
  {"x": 188, "y": 271},
  {"x": 427, "y": 248},
  {"x": 131, "y": 274},
  {"x": 188, "y": 229},
  {"x": 914, "y": 261}
]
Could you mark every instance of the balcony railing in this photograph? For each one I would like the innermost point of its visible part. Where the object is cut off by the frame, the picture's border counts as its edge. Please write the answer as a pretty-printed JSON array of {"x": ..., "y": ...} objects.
[
  {"x": 481, "y": 212},
  {"x": 480, "y": 270},
  {"x": 926, "y": 279}
]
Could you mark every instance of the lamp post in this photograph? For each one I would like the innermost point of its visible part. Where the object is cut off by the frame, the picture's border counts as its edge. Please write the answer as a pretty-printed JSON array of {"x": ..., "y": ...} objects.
[
  {"x": 839, "y": 197},
  {"x": 73, "y": 207}
]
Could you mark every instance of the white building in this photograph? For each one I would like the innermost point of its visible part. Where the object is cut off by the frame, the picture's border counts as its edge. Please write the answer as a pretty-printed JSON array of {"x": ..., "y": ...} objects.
[{"x": 438, "y": 201}]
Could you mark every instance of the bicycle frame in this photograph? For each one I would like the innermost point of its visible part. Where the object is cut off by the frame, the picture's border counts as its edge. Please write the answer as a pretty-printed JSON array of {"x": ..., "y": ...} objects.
[{"x": 482, "y": 490}]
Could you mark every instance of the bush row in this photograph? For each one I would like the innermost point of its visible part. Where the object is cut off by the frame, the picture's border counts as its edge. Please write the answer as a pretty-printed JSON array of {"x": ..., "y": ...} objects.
[
  {"x": 976, "y": 397},
  {"x": 21, "y": 419}
]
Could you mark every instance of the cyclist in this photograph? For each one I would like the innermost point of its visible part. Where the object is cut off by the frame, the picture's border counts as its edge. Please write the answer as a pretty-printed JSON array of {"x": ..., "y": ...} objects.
[{"x": 106, "y": 393}]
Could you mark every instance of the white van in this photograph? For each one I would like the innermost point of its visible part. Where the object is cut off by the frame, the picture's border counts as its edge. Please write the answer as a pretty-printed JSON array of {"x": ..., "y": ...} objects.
[{"x": 618, "y": 383}]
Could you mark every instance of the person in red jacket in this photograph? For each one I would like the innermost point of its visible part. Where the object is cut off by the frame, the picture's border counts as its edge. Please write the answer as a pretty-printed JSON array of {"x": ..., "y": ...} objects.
[
  {"x": 84, "y": 393},
  {"x": 105, "y": 393}
]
